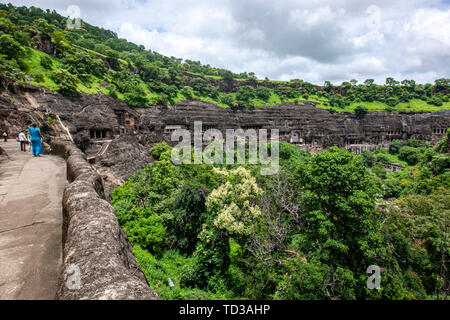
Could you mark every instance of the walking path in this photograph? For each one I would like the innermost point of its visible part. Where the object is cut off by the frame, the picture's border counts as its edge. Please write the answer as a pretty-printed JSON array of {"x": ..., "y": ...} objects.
[{"x": 31, "y": 190}]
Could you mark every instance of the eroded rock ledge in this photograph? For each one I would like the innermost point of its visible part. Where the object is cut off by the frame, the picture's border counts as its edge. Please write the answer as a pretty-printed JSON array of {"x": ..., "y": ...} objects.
[
  {"x": 3, "y": 155},
  {"x": 93, "y": 241}
]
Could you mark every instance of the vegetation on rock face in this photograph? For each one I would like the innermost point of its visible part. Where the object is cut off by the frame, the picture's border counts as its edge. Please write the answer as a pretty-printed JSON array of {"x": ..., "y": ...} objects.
[
  {"x": 309, "y": 232},
  {"x": 98, "y": 61}
]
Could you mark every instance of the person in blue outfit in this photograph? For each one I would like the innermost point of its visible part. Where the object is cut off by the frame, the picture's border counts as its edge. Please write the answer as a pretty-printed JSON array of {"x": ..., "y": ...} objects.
[{"x": 36, "y": 139}]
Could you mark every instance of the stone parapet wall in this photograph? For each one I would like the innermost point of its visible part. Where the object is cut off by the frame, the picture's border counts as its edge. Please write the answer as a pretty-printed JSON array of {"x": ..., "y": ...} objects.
[
  {"x": 3, "y": 155},
  {"x": 93, "y": 242}
]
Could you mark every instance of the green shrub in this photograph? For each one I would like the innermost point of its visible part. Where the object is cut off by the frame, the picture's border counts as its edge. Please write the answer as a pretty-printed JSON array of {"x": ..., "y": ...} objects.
[
  {"x": 10, "y": 47},
  {"x": 10, "y": 69},
  {"x": 392, "y": 188},
  {"x": 395, "y": 146},
  {"x": 361, "y": 111},
  {"x": 112, "y": 91},
  {"x": 227, "y": 99},
  {"x": 245, "y": 94},
  {"x": 409, "y": 154},
  {"x": 38, "y": 77},
  {"x": 263, "y": 93},
  {"x": 66, "y": 81},
  {"x": 158, "y": 149},
  {"x": 46, "y": 62},
  {"x": 440, "y": 163},
  {"x": 435, "y": 100},
  {"x": 187, "y": 92},
  {"x": 147, "y": 232}
]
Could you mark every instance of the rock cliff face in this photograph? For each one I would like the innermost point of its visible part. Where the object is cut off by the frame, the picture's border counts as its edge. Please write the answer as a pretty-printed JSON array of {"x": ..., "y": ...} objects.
[
  {"x": 3, "y": 155},
  {"x": 117, "y": 138}
]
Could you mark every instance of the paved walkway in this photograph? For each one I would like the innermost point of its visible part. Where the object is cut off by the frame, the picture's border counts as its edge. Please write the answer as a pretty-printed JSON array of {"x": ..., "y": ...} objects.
[{"x": 31, "y": 192}]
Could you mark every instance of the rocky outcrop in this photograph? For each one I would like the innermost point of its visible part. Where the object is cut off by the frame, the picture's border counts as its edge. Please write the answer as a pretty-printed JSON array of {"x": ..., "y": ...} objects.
[
  {"x": 95, "y": 248},
  {"x": 42, "y": 42},
  {"x": 117, "y": 169},
  {"x": 97, "y": 121}
]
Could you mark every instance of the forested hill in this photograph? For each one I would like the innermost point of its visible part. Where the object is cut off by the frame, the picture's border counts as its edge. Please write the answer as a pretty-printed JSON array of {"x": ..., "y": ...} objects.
[{"x": 37, "y": 47}]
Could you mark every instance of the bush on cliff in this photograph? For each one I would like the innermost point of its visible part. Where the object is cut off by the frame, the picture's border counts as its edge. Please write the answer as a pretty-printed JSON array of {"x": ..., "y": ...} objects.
[{"x": 66, "y": 81}]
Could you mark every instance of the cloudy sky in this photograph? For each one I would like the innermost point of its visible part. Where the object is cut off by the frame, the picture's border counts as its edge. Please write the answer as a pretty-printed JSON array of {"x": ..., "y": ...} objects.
[{"x": 314, "y": 40}]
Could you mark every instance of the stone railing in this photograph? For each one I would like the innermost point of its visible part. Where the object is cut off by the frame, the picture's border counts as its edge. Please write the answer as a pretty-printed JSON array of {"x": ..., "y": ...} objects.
[
  {"x": 97, "y": 258},
  {"x": 3, "y": 155}
]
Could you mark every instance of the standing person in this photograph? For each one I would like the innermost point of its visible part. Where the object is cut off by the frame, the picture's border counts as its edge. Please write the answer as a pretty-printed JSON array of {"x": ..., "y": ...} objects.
[
  {"x": 36, "y": 139},
  {"x": 5, "y": 137},
  {"x": 29, "y": 140},
  {"x": 23, "y": 141}
]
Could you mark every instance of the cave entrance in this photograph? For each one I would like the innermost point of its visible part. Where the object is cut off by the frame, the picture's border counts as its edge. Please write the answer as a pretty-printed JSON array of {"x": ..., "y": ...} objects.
[{"x": 100, "y": 133}]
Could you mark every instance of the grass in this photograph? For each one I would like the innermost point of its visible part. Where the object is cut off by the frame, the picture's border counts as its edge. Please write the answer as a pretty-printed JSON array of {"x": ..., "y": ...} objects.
[
  {"x": 415, "y": 105},
  {"x": 34, "y": 64}
]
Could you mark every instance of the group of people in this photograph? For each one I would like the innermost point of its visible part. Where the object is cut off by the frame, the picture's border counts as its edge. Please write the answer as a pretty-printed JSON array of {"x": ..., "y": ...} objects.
[{"x": 32, "y": 136}]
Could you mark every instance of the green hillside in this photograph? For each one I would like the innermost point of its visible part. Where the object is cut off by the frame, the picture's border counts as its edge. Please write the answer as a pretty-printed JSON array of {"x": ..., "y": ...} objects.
[{"x": 38, "y": 48}]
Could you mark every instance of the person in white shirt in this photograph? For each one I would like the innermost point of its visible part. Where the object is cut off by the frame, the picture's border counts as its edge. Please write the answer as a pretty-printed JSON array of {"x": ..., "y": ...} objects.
[{"x": 23, "y": 141}]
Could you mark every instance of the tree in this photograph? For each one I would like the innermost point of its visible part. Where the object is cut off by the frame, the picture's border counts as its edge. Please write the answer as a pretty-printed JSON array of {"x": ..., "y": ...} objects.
[
  {"x": 146, "y": 230},
  {"x": 137, "y": 97},
  {"x": 263, "y": 93},
  {"x": 227, "y": 99},
  {"x": 199, "y": 84},
  {"x": 328, "y": 86},
  {"x": 391, "y": 81},
  {"x": 10, "y": 69},
  {"x": 232, "y": 213},
  {"x": 66, "y": 81},
  {"x": 245, "y": 94},
  {"x": 395, "y": 146},
  {"x": 189, "y": 215},
  {"x": 61, "y": 43},
  {"x": 149, "y": 72},
  {"x": 361, "y": 111},
  {"x": 22, "y": 37},
  {"x": 369, "y": 158},
  {"x": 187, "y": 92},
  {"x": 369, "y": 82},
  {"x": 10, "y": 47},
  {"x": 227, "y": 75},
  {"x": 442, "y": 83},
  {"x": 409, "y": 154},
  {"x": 341, "y": 226},
  {"x": 252, "y": 76}
]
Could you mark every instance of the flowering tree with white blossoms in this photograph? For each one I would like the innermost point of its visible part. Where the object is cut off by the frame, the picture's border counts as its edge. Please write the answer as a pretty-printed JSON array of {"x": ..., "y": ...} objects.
[
  {"x": 232, "y": 203},
  {"x": 233, "y": 214}
]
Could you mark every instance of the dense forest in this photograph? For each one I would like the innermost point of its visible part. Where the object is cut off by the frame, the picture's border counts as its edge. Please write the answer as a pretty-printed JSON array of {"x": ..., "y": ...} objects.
[
  {"x": 37, "y": 47},
  {"x": 309, "y": 232}
]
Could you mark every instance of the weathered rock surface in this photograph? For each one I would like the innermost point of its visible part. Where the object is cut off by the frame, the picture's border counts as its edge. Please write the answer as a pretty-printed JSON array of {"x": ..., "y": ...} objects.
[
  {"x": 3, "y": 155},
  {"x": 118, "y": 138},
  {"x": 93, "y": 241}
]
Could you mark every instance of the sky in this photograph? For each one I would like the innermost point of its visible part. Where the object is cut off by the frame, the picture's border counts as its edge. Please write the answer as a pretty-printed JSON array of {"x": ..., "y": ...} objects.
[{"x": 313, "y": 40}]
